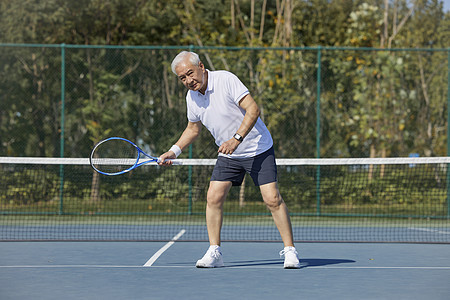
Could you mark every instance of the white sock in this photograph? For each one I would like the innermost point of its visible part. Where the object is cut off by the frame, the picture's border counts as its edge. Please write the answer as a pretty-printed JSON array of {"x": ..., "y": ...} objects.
[{"x": 214, "y": 247}]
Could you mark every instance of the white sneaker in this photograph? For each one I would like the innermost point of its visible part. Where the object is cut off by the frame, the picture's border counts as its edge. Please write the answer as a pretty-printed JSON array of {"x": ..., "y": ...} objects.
[
  {"x": 291, "y": 260},
  {"x": 211, "y": 259}
]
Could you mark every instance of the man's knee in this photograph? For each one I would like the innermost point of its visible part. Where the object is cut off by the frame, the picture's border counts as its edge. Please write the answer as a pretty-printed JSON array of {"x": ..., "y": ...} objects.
[
  {"x": 217, "y": 193},
  {"x": 214, "y": 201},
  {"x": 271, "y": 195},
  {"x": 273, "y": 200}
]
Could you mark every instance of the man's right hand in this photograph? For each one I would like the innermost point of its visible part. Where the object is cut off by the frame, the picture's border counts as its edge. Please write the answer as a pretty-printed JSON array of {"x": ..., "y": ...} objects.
[{"x": 166, "y": 158}]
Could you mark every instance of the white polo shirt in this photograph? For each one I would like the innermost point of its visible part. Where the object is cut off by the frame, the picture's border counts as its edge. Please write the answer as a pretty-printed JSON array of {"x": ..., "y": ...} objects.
[{"x": 220, "y": 113}]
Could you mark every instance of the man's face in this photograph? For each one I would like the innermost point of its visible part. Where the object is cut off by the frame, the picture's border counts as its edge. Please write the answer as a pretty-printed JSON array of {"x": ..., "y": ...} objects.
[{"x": 193, "y": 77}]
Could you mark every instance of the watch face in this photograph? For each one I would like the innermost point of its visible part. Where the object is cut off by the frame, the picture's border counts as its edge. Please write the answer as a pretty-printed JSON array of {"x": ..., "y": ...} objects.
[{"x": 238, "y": 137}]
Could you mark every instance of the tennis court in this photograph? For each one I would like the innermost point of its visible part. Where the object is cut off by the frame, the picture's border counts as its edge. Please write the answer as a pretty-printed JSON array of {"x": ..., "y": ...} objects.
[
  {"x": 115, "y": 270},
  {"x": 364, "y": 228}
]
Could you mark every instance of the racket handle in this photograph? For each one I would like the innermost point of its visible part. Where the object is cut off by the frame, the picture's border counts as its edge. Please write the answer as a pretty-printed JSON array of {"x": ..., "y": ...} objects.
[{"x": 174, "y": 161}]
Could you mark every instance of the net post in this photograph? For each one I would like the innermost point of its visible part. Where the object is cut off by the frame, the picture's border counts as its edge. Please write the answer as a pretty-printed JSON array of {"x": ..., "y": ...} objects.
[
  {"x": 61, "y": 153},
  {"x": 319, "y": 64}
]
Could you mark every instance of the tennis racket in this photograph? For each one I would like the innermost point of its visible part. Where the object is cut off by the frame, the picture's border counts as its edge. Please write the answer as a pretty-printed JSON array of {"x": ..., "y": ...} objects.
[{"x": 116, "y": 155}]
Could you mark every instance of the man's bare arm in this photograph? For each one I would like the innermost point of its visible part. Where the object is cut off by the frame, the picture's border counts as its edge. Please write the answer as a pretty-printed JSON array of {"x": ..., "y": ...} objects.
[{"x": 252, "y": 113}]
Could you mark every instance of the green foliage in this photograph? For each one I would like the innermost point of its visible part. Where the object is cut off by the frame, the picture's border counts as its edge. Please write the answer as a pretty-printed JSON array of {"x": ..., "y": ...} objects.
[
  {"x": 372, "y": 190},
  {"x": 348, "y": 190},
  {"x": 28, "y": 187},
  {"x": 373, "y": 103},
  {"x": 29, "y": 115},
  {"x": 133, "y": 93}
]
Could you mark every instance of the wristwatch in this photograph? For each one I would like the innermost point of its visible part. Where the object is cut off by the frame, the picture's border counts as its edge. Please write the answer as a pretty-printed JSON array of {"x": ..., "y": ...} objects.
[{"x": 238, "y": 137}]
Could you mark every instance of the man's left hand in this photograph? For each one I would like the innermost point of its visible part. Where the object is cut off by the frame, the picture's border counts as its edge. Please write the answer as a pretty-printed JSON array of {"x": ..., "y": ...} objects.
[{"x": 229, "y": 146}]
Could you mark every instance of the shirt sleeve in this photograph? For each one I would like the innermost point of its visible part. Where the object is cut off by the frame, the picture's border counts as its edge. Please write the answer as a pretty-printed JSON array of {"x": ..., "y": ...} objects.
[
  {"x": 191, "y": 116},
  {"x": 236, "y": 88}
]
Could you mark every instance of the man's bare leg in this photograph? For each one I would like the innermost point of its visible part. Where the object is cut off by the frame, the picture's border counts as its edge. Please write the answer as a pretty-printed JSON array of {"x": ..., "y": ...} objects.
[
  {"x": 217, "y": 193},
  {"x": 272, "y": 197}
]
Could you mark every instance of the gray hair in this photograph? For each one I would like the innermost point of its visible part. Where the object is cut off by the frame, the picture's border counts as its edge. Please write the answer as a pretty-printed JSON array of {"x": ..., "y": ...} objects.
[{"x": 194, "y": 59}]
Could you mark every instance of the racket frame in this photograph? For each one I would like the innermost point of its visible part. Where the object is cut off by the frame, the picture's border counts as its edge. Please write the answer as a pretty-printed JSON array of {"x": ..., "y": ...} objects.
[{"x": 136, "y": 164}]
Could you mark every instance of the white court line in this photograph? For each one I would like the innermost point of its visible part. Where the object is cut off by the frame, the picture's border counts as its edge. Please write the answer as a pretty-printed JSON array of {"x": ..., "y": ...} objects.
[
  {"x": 155, "y": 256},
  {"x": 429, "y": 230},
  {"x": 230, "y": 266},
  {"x": 66, "y": 266},
  {"x": 317, "y": 267},
  {"x": 375, "y": 268}
]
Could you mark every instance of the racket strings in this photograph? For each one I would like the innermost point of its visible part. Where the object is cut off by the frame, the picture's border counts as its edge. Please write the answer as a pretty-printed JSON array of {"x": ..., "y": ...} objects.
[{"x": 115, "y": 155}]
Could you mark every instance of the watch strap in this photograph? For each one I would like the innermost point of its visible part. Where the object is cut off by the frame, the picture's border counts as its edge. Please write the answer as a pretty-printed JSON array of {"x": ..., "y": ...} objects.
[{"x": 238, "y": 137}]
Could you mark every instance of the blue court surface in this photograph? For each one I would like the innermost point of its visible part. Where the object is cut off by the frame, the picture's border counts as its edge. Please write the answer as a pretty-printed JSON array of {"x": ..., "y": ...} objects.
[{"x": 116, "y": 270}]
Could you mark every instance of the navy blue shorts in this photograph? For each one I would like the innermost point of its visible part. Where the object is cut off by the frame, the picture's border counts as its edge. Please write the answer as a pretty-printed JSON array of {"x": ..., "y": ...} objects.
[{"x": 262, "y": 168}]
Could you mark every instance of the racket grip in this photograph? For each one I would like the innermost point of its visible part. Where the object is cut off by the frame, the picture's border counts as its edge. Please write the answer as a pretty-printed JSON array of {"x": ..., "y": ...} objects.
[{"x": 174, "y": 161}]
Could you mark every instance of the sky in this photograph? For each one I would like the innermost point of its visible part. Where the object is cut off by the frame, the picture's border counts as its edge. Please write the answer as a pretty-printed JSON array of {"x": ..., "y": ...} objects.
[{"x": 446, "y": 5}]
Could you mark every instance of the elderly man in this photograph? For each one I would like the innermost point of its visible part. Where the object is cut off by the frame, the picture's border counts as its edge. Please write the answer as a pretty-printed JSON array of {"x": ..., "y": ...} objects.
[{"x": 219, "y": 101}]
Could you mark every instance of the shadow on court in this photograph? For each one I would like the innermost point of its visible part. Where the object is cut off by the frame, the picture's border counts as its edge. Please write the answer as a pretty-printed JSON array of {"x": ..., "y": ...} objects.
[
  {"x": 308, "y": 262},
  {"x": 305, "y": 262},
  {"x": 315, "y": 262}
]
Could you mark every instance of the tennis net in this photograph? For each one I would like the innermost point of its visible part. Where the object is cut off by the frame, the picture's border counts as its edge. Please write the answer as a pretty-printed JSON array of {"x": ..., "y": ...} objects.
[{"x": 332, "y": 200}]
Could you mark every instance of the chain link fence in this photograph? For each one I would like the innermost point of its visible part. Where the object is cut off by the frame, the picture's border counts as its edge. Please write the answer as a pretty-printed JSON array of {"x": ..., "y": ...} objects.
[{"x": 59, "y": 100}]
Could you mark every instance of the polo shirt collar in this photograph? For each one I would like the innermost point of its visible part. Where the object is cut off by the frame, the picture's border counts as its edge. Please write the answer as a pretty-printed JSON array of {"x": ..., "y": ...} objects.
[{"x": 210, "y": 86}]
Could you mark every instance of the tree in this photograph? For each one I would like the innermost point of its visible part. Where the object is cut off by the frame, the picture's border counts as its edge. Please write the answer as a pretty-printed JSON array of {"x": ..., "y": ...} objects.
[{"x": 31, "y": 77}]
